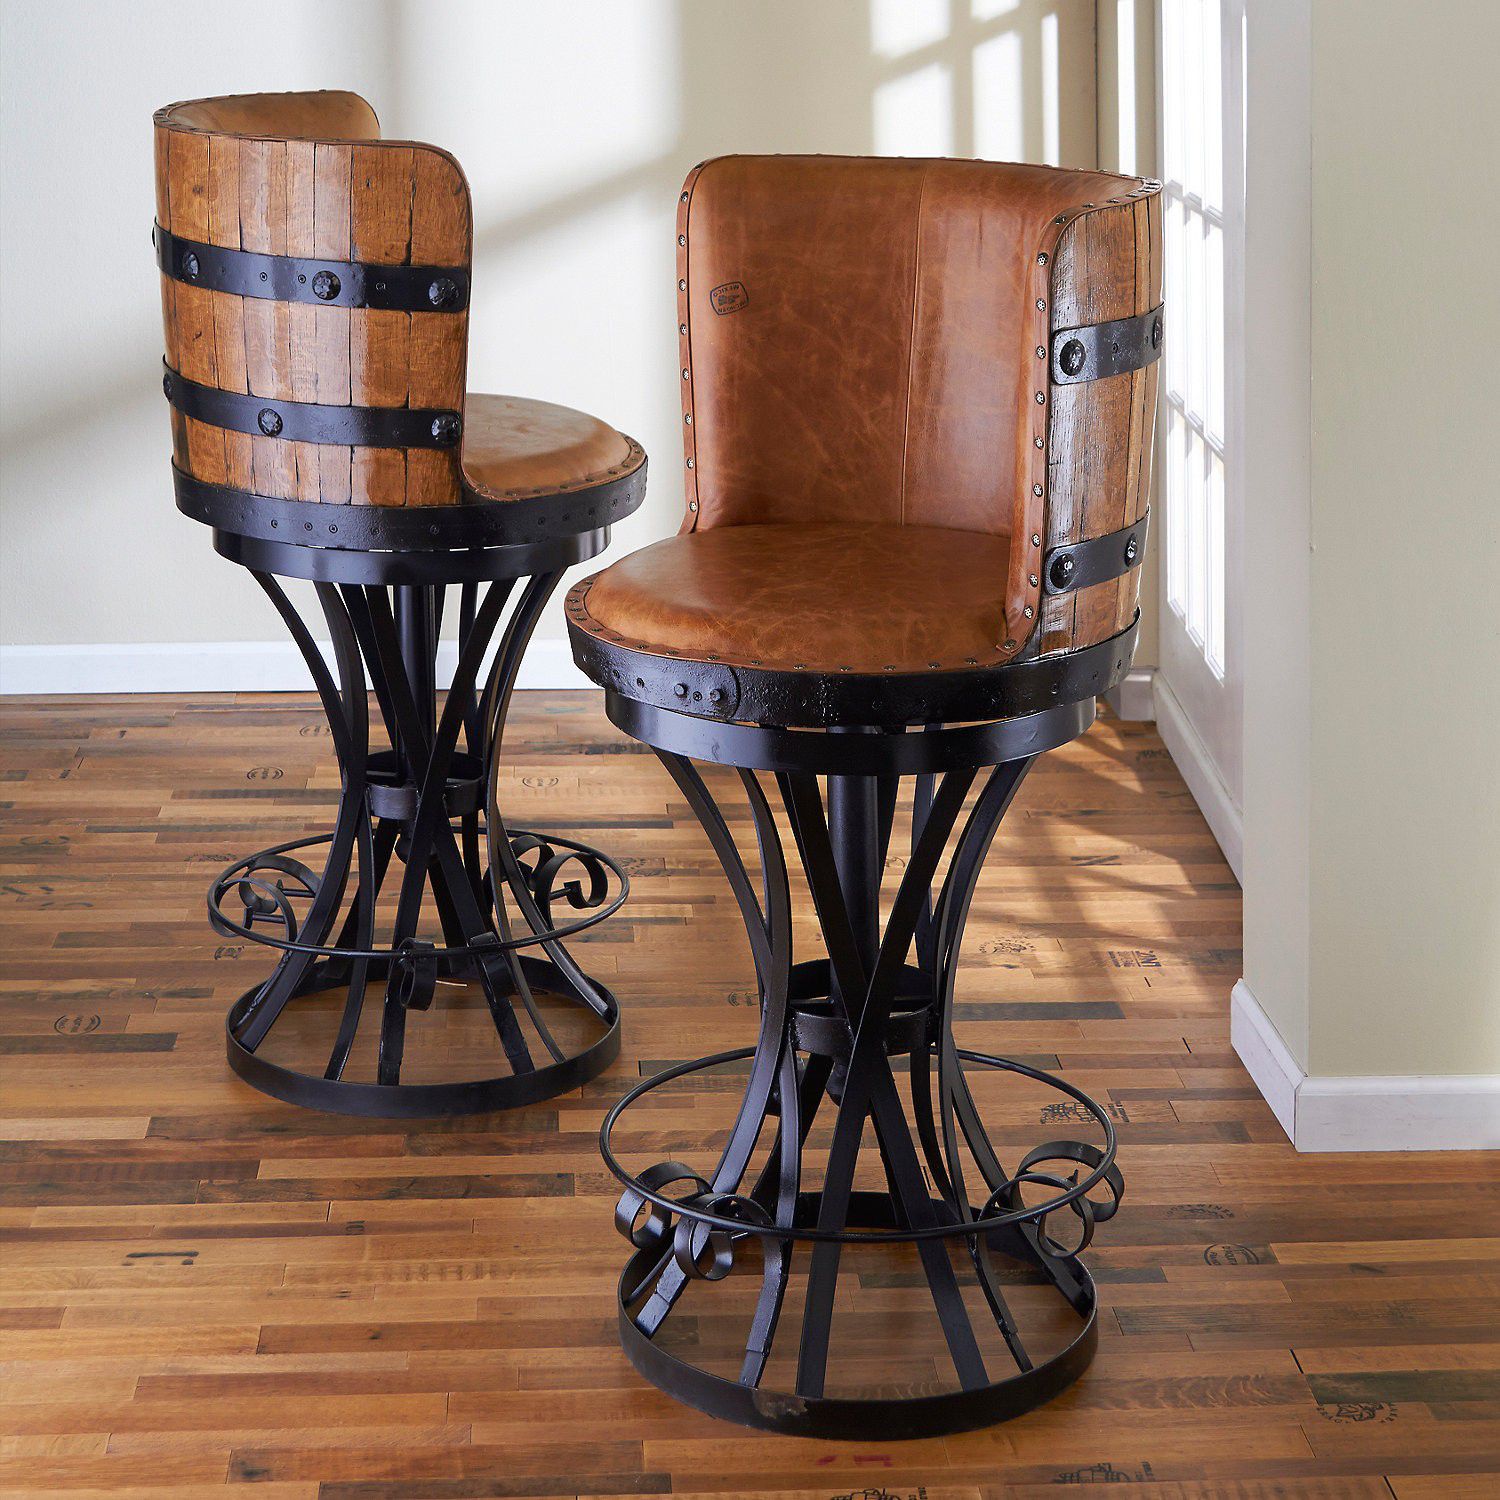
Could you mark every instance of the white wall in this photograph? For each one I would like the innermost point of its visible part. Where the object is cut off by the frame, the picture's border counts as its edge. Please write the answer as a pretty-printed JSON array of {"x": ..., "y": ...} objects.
[
  {"x": 1370, "y": 1009},
  {"x": 576, "y": 123}
]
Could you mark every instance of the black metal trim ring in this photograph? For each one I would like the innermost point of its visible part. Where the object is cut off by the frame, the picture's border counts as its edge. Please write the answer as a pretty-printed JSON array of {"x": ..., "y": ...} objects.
[
  {"x": 325, "y": 283},
  {"x": 1099, "y": 559},
  {"x": 399, "y": 528},
  {"x": 1097, "y": 350},
  {"x": 425, "y": 1101},
  {"x": 717, "y": 692},
  {"x": 311, "y": 422}
]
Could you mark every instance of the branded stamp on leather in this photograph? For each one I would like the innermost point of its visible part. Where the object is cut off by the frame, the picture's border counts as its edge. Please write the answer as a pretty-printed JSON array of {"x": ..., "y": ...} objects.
[{"x": 729, "y": 298}]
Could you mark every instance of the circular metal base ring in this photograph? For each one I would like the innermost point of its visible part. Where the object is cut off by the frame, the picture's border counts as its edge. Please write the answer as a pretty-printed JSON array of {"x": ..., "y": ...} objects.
[
  {"x": 427, "y": 1101},
  {"x": 877, "y": 1418}
]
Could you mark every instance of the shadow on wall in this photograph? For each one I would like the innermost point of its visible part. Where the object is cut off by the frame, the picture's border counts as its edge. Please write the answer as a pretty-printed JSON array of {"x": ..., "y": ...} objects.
[{"x": 577, "y": 129}]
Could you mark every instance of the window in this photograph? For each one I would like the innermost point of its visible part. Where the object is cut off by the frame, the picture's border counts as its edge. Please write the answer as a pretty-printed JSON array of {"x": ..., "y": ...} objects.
[{"x": 1200, "y": 218}]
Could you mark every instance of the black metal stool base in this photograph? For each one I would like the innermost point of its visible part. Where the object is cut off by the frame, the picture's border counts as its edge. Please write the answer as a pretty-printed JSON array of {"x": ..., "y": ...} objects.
[
  {"x": 831, "y": 1029},
  {"x": 423, "y": 1101},
  {"x": 420, "y": 825}
]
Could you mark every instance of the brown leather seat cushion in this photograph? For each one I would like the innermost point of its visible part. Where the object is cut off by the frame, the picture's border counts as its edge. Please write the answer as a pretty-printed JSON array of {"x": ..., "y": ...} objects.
[
  {"x": 824, "y": 597},
  {"x": 513, "y": 447}
]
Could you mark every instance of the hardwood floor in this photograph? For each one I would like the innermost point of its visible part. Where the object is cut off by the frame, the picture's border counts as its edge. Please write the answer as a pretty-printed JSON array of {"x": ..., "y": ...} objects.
[{"x": 203, "y": 1288}]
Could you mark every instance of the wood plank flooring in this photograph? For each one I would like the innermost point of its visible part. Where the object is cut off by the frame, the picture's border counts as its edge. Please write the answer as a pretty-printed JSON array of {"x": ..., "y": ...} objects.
[{"x": 201, "y": 1288}]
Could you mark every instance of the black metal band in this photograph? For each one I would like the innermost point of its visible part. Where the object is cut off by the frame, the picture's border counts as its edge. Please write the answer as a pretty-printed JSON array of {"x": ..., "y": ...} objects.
[
  {"x": 411, "y": 529},
  {"x": 715, "y": 691},
  {"x": 1096, "y": 350},
  {"x": 324, "y": 283},
  {"x": 309, "y": 422},
  {"x": 1097, "y": 560}
]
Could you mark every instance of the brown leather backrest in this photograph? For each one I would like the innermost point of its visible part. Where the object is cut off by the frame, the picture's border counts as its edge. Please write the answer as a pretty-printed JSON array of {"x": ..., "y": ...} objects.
[
  {"x": 869, "y": 338},
  {"x": 307, "y": 175}
]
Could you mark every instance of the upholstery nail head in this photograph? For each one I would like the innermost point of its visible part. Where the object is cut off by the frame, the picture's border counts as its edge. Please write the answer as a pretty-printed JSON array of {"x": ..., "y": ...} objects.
[
  {"x": 1036, "y": 489},
  {"x": 682, "y": 239},
  {"x": 1036, "y": 540},
  {"x": 1037, "y": 442},
  {"x": 682, "y": 286},
  {"x": 1041, "y": 305},
  {"x": 1041, "y": 351},
  {"x": 684, "y": 197},
  {"x": 1041, "y": 396},
  {"x": 685, "y": 375},
  {"x": 1041, "y": 259},
  {"x": 690, "y": 463},
  {"x": 1033, "y": 580},
  {"x": 687, "y": 417},
  {"x": 692, "y": 505},
  {"x": 1028, "y": 611}
]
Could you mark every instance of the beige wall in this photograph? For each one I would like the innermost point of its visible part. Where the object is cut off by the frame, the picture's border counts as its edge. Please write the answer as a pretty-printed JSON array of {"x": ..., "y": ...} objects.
[
  {"x": 576, "y": 123},
  {"x": 1405, "y": 583}
]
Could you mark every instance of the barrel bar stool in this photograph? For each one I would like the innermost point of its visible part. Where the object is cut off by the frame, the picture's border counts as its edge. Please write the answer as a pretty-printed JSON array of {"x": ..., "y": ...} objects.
[
  {"x": 315, "y": 284},
  {"x": 918, "y": 411}
]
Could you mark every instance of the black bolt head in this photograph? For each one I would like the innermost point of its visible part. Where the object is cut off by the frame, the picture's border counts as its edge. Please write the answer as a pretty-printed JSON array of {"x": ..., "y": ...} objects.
[
  {"x": 166, "y": 386},
  {"x": 1072, "y": 357},
  {"x": 1062, "y": 570},
  {"x": 446, "y": 428},
  {"x": 1156, "y": 333},
  {"x": 681, "y": 690},
  {"x": 716, "y": 695},
  {"x": 325, "y": 285},
  {"x": 190, "y": 266},
  {"x": 269, "y": 421},
  {"x": 443, "y": 292},
  {"x": 1132, "y": 550}
]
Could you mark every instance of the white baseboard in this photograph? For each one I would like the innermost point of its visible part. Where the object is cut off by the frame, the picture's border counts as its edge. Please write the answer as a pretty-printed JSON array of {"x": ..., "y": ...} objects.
[
  {"x": 1191, "y": 755},
  {"x": 1131, "y": 697},
  {"x": 1371, "y": 1113},
  {"x": 223, "y": 667}
]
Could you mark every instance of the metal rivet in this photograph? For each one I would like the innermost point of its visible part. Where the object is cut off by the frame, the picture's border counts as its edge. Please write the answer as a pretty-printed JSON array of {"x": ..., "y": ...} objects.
[
  {"x": 446, "y": 428},
  {"x": 190, "y": 266},
  {"x": 681, "y": 690},
  {"x": 1041, "y": 351},
  {"x": 307, "y": 525},
  {"x": 325, "y": 285},
  {"x": 274, "y": 525},
  {"x": 1073, "y": 357},
  {"x": 640, "y": 682},
  {"x": 1028, "y": 611},
  {"x": 442, "y": 292},
  {"x": 682, "y": 239},
  {"x": 692, "y": 505},
  {"x": 166, "y": 386},
  {"x": 1037, "y": 442},
  {"x": 684, "y": 197},
  {"x": 682, "y": 328},
  {"x": 687, "y": 417},
  {"x": 1156, "y": 333},
  {"x": 333, "y": 530},
  {"x": 265, "y": 275},
  {"x": 1033, "y": 580},
  {"x": 1010, "y": 645},
  {"x": 1036, "y": 489},
  {"x": 1036, "y": 541},
  {"x": 716, "y": 695},
  {"x": 1041, "y": 259},
  {"x": 1132, "y": 550},
  {"x": 1062, "y": 570},
  {"x": 682, "y": 286},
  {"x": 685, "y": 375},
  {"x": 690, "y": 463},
  {"x": 1041, "y": 396},
  {"x": 1041, "y": 305},
  {"x": 269, "y": 421},
  {"x": 697, "y": 697},
  {"x": 1061, "y": 219}
]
